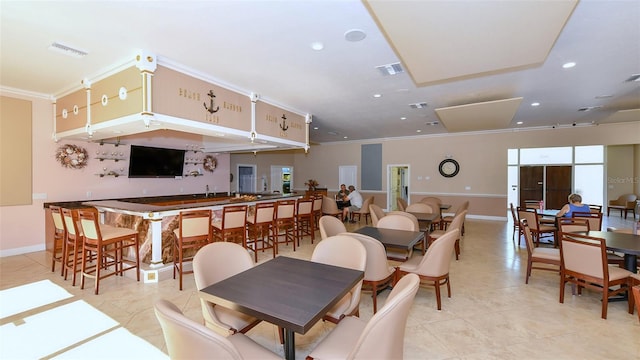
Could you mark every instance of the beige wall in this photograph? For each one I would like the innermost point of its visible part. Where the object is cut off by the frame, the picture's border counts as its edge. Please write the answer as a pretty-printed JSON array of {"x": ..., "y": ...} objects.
[
  {"x": 15, "y": 151},
  {"x": 620, "y": 171}
]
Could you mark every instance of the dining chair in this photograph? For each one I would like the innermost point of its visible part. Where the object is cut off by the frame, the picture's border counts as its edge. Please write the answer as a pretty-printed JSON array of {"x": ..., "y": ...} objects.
[
  {"x": 378, "y": 275},
  {"x": 59, "y": 238},
  {"x": 186, "y": 339},
  {"x": 72, "y": 255},
  {"x": 432, "y": 208},
  {"x": 635, "y": 291},
  {"x": 214, "y": 263},
  {"x": 516, "y": 223},
  {"x": 107, "y": 245},
  {"x": 331, "y": 226},
  {"x": 193, "y": 232},
  {"x": 305, "y": 222},
  {"x": 537, "y": 229},
  {"x": 624, "y": 203},
  {"x": 433, "y": 267},
  {"x": 595, "y": 208},
  {"x": 233, "y": 225},
  {"x": 457, "y": 222},
  {"x": 594, "y": 218},
  {"x": 402, "y": 204},
  {"x": 584, "y": 264},
  {"x": 347, "y": 252},
  {"x": 382, "y": 337},
  {"x": 330, "y": 207},
  {"x": 567, "y": 225},
  {"x": 541, "y": 255},
  {"x": 431, "y": 199},
  {"x": 260, "y": 232},
  {"x": 446, "y": 220},
  {"x": 376, "y": 214},
  {"x": 284, "y": 223},
  {"x": 364, "y": 210},
  {"x": 400, "y": 220}
]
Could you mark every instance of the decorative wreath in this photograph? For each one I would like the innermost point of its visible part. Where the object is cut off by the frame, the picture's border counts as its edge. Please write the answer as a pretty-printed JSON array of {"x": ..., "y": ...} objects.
[
  {"x": 209, "y": 163},
  {"x": 72, "y": 156}
]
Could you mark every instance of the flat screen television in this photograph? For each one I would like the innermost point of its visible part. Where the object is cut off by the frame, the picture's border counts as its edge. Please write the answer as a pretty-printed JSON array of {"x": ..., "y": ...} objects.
[{"x": 152, "y": 162}]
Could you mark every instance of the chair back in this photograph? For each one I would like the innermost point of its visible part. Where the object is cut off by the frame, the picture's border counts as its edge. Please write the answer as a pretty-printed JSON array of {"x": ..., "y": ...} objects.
[
  {"x": 594, "y": 218},
  {"x": 402, "y": 204},
  {"x": 458, "y": 220},
  {"x": 264, "y": 213},
  {"x": 531, "y": 216},
  {"x": 532, "y": 204},
  {"x": 595, "y": 208},
  {"x": 437, "y": 260},
  {"x": 399, "y": 220},
  {"x": 584, "y": 255},
  {"x": 528, "y": 239},
  {"x": 71, "y": 223},
  {"x": 234, "y": 216},
  {"x": 376, "y": 213},
  {"x": 194, "y": 224},
  {"x": 377, "y": 267},
  {"x": 420, "y": 208},
  {"x": 58, "y": 222},
  {"x": 465, "y": 206},
  {"x": 187, "y": 339},
  {"x": 89, "y": 224},
  {"x": 285, "y": 209},
  {"x": 514, "y": 215},
  {"x": 431, "y": 199},
  {"x": 331, "y": 226},
  {"x": 317, "y": 203},
  {"x": 568, "y": 225},
  {"x": 329, "y": 206},
  {"x": 365, "y": 206},
  {"x": 304, "y": 206},
  {"x": 383, "y": 336}
]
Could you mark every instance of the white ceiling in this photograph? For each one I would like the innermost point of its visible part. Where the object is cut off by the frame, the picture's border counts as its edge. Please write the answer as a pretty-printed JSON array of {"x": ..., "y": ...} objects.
[{"x": 265, "y": 47}]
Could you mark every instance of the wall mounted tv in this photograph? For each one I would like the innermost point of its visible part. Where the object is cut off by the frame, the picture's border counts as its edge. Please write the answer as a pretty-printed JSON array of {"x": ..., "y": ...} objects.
[{"x": 152, "y": 162}]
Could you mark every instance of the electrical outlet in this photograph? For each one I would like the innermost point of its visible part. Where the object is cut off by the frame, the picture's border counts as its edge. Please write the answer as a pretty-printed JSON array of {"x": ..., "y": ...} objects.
[{"x": 88, "y": 194}]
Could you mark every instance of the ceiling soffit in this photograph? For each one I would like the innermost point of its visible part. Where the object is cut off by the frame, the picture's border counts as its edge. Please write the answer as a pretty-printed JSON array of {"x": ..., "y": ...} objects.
[{"x": 490, "y": 115}]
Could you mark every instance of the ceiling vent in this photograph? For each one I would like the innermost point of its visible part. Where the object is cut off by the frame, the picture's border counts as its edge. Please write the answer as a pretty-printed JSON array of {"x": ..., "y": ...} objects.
[
  {"x": 420, "y": 105},
  {"x": 390, "y": 69},
  {"x": 67, "y": 50},
  {"x": 589, "y": 108},
  {"x": 634, "y": 77}
]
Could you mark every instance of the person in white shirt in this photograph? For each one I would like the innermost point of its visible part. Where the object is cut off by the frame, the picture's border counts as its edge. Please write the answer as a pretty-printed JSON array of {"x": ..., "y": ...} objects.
[{"x": 356, "y": 203}]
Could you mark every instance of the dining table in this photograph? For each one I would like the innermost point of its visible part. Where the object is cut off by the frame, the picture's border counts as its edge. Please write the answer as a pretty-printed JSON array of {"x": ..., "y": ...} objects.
[
  {"x": 291, "y": 293},
  {"x": 628, "y": 244},
  {"x": 395, "y": 239}
]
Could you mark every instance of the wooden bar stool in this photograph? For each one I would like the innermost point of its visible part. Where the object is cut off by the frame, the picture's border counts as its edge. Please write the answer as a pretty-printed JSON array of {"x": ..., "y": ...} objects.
[
  {"x": 233, "y": 226},
  {"x": 305, "y": 219},
  {"x": 72, "y": 256},
  {"x": 108, "y": 244},
  {"x": 59, "y": 238},
  {"x": 260, "y": 229},
  {"x": 193, "y": 232},
  {"x": 285, "y": 223}
]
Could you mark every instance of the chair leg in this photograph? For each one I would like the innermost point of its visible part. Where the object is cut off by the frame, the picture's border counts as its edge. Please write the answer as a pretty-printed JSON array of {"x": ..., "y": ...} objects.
[{"x": 438, "y": 301}]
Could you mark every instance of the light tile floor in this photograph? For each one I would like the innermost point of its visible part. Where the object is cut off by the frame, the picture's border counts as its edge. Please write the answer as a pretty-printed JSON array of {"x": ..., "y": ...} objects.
[{"x": 492, "y": 314}]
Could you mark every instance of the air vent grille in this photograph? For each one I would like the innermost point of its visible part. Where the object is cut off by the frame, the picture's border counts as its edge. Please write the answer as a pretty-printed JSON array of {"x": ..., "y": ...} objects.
[
  {"x": 634, "y": 77},
  {"x": 67, "y": 50},
  {"x": 420, "y": 105},
  {"x": 589, "y": 108},
  {"x": 390, "y": 69}
]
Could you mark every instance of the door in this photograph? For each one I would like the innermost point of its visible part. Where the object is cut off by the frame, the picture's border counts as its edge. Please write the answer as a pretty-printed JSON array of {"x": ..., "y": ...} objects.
[
  {"x": 281, "y": 179},
  {"x": 246, "y": 179},
  {"x": 398, "y": 185},
  {"x": 557, "y": 186},
  {"x": 531, "y": 183}
]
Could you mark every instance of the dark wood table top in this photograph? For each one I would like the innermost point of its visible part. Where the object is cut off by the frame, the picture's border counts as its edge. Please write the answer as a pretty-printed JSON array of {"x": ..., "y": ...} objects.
[
  {"x": 445, "y": 207},
  {"x": 400, "y": 239},
  {"x": 427, "y": 217},
  {"x": 620, "y": 242},
  {"x": 291, "y": 293}
]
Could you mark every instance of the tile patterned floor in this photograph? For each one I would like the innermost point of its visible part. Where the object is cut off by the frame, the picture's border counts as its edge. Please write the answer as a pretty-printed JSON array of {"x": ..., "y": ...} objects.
[{"x": 492, "y": 314}]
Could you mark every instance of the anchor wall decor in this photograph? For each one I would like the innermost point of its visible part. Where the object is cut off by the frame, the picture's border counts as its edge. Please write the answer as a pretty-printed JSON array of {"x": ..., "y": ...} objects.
[
  {"x": 284, "y": 125},
  {"x": 212, "y": 101}
]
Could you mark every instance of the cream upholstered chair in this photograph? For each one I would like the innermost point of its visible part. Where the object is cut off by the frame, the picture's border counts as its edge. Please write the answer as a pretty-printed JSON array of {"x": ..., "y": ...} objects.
[
  {"x": 537, "y": 229},
  {"x": 330, "y": 207},
  {"x": 399, "y": 220},
  {"x": 549, "y": 256},
  {"x": 214, "y": 263},
  {"x": 432, "y": 199},
  {"x": 193, "y": 232},
  {"x": 376, "y": 214},
  {"x": 364, "y": 210},
  {"x": 260, "y": 229},
  {"x": 584, "y": 264},
  {"x": 233, "y": 225},
  {"x": 113, "y": 248},
  {"x": 347, "y": 252},
  {"x": 186, "y": 339},
  {"x": 59, "y": 239},
  {"x": 457, "y": 223},
  {"x": 626, "y": 203},
  {"x": 72, "y": 256},
  {"x": 435, "y": 209},
  {"x": 402, "y": 204},
  {"x": 378, "y": 275},
  {"x": 433, "y": 267},
  {"x": 331, "y": 226},
  {"x": 446, "y": 220},
  {"x": 382, "y": 337},
  {"x": 594, "y": 218}
]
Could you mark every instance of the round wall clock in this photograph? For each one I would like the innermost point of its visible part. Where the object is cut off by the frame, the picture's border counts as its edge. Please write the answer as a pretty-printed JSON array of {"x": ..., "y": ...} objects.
[{"x": 449, "y": 168}]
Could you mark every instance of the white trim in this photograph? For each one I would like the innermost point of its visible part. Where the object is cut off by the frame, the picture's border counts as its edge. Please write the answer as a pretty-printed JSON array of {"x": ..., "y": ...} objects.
[
  {"x": 22, "y": 250},
  {"x": 490, "y": 218},
  {"x": 461, "y": 194}
]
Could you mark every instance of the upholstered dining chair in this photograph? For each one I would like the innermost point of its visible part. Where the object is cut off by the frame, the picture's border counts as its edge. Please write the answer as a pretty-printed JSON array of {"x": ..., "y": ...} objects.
[
  {"x": 457, "y": 223},
  {"x": 402, "y": 204},
  {"x": 568, "y": 225},
  {"x": 446, "y": 220},
  {"x": 214, "y": 263},
  {"x": 584, "y": 265},
  {"x": 624, "y": 203},
  {"x": 260, "y": 229},
  {"x": 594, "y": 218},
  {"x": 186, "y": 339},
  {"x": 331, "y": 226},
  {"x": 72, "y": 255},
  {"x": 376, "y": 214},
  {"x": 431, "y": 199},
  {"x": 193, "y": 232},
  {"x": 107, "y": 245},
  {"x": 400, "y": 220},
  {"x": 516, "y": 223},
  {"x": 347, "y": 252},
  {"x": 59, "y": 238},
  {"x": 364, "y": 210},
  {"x": 540, "y": 255},
  {"x": 382, "y": 337},
  {"x": 436, "y": 223},
  {"x": 330, "y": 207},
  {"x": 537, "y": 229},
  {"x": 378, "y": 275},
  {"x": 433, "y": 267}
]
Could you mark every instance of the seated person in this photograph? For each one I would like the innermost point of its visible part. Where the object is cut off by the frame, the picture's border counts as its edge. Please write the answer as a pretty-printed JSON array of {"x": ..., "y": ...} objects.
[
  {"x": 575, "y": 205},
  {"x": 356, "y": 203},
  {"x": 342, "y": 194}
]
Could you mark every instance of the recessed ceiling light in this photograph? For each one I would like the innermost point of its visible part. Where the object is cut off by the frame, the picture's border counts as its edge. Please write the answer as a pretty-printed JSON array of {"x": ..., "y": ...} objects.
[
  {"x": 315, "y": 128},
  {"x": 332, "y": 133},
  {"x": 604, "y": 96},
  {"x": 377, "y": 95},
  {"x": 354, "y": 35},
  {"x": 519, "y": 123},
  {"x": 418, "y": 131},
  {"x": 346, "y": 137},
  {"x": 317, "y": 45},
  {"x": 569, "y": 65},
  {"x": 535, "y": 104},
  {"x": 403, "y": 118}
]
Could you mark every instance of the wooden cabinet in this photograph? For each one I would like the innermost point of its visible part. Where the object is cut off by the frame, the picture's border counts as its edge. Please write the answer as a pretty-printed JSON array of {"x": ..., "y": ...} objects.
[{"x": 317, "y": 191}]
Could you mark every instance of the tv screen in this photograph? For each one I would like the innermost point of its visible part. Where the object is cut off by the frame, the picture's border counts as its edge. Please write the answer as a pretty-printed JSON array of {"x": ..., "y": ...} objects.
[{"x": 151, "y": 162}]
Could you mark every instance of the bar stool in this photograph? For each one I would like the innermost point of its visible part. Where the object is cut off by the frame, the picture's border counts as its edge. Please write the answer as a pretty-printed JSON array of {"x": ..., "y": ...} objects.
[
  {"x": 192, "y": 233},
  {"x": 72, "y": 256},
  {"x": 285, "y": 223},
  {"x": 233, "y": 226},
  {"x": 59, "y": 236},
  {"x": 260, "y": 229},
  {"x": 108, "y": 244},
  {"x": 305, "y": 219},
  {"x": 317, "y": 209}
]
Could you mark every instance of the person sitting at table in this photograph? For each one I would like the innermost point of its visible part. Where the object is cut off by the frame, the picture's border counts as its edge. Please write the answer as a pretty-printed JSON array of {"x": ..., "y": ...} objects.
[
  {"x": 575, "y": 205},
  {"x": 355, "y": 199},
  {"x": 342, "y": 194}
]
